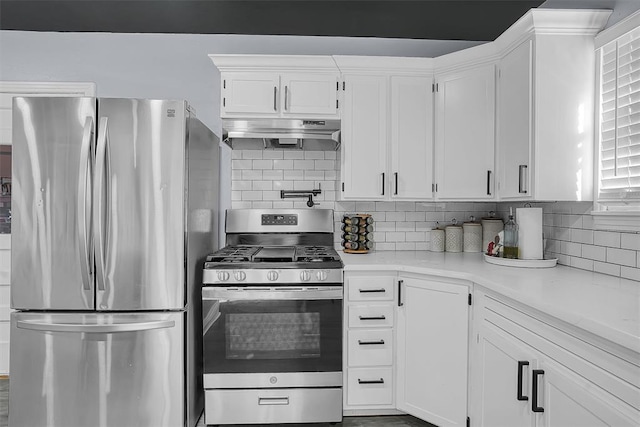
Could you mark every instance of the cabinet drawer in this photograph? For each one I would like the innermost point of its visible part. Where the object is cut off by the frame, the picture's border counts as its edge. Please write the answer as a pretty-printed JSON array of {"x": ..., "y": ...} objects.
[
  {"x": 370, "y": 386},
  {"x": 369, "y": 288},
  {"x": 370, "y": 347},
  {"x": 370, "y": 316}
]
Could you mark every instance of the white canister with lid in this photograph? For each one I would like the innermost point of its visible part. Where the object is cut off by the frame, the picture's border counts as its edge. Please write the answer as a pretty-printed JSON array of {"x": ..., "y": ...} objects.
[
  {"x": 491, "y": 226},
  {"x": 453, "y": 237},
  {"x": 437, "y": 240},
  {"x": 472, "y": 232}
]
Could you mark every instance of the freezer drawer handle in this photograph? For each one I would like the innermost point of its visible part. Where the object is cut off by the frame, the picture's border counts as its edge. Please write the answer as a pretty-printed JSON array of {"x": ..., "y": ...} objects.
[
  {"x": 95, "y": 329},
  {"x": 371, "y": 291},
  {"x": 273, "y": 400}
]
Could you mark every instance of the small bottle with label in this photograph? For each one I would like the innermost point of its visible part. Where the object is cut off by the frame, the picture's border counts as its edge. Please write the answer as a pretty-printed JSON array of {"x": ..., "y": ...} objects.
[
  {"x": 351, "y": 220},
  {"x": 510, "y": 249}
]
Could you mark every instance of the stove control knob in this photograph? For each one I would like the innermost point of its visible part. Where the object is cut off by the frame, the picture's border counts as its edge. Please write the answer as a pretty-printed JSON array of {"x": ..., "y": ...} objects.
[
  {"x": 305, "y": 275},
  {"x": 223, "y": 276},
  {"x": 240, "y": 276},
  {"x": 272, "y": 275},
  {"x": 321, "y": 275}
]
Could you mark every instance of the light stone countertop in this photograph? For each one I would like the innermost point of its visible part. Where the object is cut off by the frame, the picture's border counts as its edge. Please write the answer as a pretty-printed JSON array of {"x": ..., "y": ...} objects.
[{"x": 603, "y": 305}]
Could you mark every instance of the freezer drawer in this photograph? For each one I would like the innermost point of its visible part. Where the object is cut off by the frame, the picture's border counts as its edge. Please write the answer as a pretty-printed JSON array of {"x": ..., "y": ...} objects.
[{"x": 108, "y": 370}]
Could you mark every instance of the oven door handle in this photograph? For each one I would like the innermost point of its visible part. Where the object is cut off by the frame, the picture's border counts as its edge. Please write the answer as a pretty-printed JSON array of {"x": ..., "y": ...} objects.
[{"x": 271, "y": 293}]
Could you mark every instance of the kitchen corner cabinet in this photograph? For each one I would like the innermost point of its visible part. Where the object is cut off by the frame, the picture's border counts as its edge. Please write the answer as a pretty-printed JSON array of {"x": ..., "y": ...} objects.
[
  {"x": 533, "y": 371},
  {"x": 546, "y": 91},
  {"x": 432, "y": 350},
  {"x": 465, "y": 134}
]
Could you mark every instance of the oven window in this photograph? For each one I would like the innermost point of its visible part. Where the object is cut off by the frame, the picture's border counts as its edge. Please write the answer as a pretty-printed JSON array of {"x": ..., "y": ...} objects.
[{"x": 272, "y": 336}]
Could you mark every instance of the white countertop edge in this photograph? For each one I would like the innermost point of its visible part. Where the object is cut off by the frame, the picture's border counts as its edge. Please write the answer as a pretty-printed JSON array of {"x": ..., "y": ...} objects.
[{"x": 624, "y": 337}]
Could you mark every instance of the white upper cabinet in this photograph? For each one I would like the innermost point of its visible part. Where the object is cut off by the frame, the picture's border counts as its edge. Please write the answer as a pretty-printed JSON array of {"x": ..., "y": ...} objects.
[
  {"x": 411, "y": 137},
  {"x": 278, "y": 86},
  {"x": 546, "y": 92},
  {"x": 387, "y": 130},
  {"x": 364, "y": 144},
  {"x": 465, "y": 133},
  {"x": 515, "y": 84}
]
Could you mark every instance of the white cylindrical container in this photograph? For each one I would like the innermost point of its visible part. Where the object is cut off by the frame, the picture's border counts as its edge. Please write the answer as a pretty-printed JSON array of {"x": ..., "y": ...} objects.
[
  {"x": 453, "y": 238},
  {"x": 472, "y": 238},
  {"x": 437, "y": 240},
  {"x": 490, "y": 228},
  {"x": 529, "y": 233}
]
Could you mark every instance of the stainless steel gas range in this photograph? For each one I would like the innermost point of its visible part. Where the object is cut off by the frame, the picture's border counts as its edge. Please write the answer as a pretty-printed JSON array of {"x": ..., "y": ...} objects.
[{"x": 272, "y": 320}]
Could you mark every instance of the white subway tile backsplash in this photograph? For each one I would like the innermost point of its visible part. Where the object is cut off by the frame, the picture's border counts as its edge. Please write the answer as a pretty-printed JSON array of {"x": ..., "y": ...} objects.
[
  {"x": 259, "y": 176},
  {"x": 607, "y": 238},
  {"x": 621, "y": 256},
  {"x": 630, "y": 241}
]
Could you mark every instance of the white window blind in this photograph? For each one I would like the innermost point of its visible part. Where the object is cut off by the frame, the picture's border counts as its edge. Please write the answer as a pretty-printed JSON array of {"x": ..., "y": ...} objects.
[{"x": 620, "y": 119}]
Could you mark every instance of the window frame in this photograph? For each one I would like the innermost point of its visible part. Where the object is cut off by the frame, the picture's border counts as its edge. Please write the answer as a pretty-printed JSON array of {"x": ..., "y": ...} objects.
[{"x": 619, "y": 214}]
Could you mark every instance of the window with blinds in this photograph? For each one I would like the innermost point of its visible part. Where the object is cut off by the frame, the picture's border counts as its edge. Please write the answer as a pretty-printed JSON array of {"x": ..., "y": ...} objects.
[{"x": 619, "y": 160}]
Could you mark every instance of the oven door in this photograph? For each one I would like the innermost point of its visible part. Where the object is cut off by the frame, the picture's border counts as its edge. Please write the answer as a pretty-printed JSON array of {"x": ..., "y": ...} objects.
[{"x": 261, "y": 336}]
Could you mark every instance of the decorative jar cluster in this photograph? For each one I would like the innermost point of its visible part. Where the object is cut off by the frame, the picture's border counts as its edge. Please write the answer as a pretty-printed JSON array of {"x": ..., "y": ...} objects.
[
  {"x": 357, "y": 233},
  {"x": 458, "y": 238}
]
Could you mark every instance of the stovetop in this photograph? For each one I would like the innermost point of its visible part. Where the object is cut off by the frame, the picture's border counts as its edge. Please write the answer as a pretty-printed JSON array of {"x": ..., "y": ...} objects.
[{"x": 241, "y": 256}]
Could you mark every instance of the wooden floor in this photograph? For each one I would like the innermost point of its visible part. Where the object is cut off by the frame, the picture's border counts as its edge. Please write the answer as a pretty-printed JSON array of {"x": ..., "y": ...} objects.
[{"x": 386, "y": 421}]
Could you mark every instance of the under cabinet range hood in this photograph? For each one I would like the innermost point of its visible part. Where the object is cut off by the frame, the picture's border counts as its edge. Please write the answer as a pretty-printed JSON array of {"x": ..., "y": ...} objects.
[{"x": 301, "y": 134}]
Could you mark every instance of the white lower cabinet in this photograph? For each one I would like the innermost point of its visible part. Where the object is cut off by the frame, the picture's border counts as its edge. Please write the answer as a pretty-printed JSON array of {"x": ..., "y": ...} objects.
[
  {"x": 432, "y": 350},
  {"x": 369, "y": 348},
  {"x": 532, "y": 372}
]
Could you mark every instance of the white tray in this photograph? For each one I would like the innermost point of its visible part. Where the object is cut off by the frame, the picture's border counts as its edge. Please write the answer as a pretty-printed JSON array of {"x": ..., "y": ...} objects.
[{"x": 524, "y": 263}]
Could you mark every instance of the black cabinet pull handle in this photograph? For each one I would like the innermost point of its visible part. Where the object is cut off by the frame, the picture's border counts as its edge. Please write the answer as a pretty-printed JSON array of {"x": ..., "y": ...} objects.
[
  {"x": 489, "y": 183},
  {"x": 371, "y": 291},
  {"x": 383, "y": 183},
  {"x": 521, "y": 364},
  {"x": 534, "y": 391},
  {"x": 522, "y": 179},
  {"x": 380, "y": 381},
  {"x": 400, "y": 303},
  {"x": 380, "y": 342},
  {"x": 372, "y": 317},
  {"x": 396, "y": 178},
  {"x": 275, "y": 96}
]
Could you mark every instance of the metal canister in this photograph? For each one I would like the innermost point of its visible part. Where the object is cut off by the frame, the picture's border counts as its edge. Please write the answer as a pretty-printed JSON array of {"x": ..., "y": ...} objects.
[{"x": 491, "y": 226}]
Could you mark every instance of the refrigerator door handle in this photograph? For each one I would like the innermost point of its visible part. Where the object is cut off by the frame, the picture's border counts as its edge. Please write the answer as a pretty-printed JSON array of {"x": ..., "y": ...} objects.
[
  {"x": 98, "y": 190},
  {"x": 95, "y": 329},
  {"x": 84, "y": 236}
]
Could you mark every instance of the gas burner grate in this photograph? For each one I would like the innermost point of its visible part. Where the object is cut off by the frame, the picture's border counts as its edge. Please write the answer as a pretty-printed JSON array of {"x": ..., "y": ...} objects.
[
  {"x": 315, "y": 253},
  {"x": 231, "y": 254}
]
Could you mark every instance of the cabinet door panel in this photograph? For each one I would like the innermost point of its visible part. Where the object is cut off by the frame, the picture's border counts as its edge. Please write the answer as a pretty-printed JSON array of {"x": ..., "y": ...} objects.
[
  {"x": 364, "y": 133},
  {"x": 514, "y": 122},
  {"x": 498, "y": 376},
  {"x": 309, "y": 94},
  {"x": 411, "y": 137},
  {"x": 569, "y": 400},
  {"x": 432, "y": 344},
  {"x": 250, "y": 94},
  {"x": 465, "y": 134}
]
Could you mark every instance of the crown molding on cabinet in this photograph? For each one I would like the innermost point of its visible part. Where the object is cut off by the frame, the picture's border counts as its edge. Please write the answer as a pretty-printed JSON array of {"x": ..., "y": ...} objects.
[
  {"x": 627, "y": 24},
  {"x": 316, "y": 63},
  {"x": 384, "y": 64}
]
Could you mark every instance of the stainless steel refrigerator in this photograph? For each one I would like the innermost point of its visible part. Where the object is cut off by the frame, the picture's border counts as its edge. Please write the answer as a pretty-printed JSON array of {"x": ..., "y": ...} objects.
[{"x": 115, "y": 206}]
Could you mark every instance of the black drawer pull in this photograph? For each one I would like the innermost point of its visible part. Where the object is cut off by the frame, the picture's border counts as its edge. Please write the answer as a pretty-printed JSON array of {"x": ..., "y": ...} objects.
[
  {"x": 380, "y": 381},
  {"x": 371, "y": 291},
  {"x": 521, "y": 364},
  {"x": 372, "y": 317},
  {"x": 534, "y": 392},
  {"x": 381, "y": 342}
]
